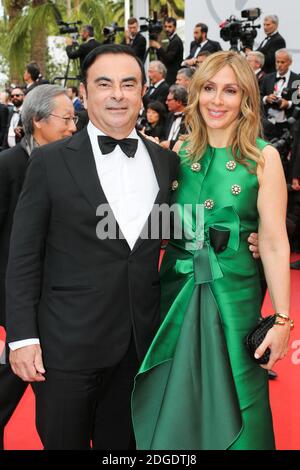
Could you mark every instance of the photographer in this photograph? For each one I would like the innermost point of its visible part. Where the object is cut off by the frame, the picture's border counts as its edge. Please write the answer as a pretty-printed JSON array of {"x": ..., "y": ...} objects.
[
  {"x": 74, "y": 51},
  {"x": 272, "y": 43},
  {"x": 201, "y": 43},
  {"x": 171, "y": 56},
  {"x": 276, "y": 91},
  {"x": 135, "y": 39}
]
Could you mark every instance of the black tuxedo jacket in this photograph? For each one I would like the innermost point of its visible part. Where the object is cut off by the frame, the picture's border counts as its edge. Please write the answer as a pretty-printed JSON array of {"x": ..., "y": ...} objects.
[
  {"x": 13, "y": 165},
  {"x": 138, "y": 45},
  {"x": 82, "y": 51},
  {"x": 181, "y": 131},
  {"x": 3, "y": 122},
  {"x": 83, "y": 297},
  {"x": 267, "y": 88},
  {"x": 210, "y": 46},
  {"x": 159, "y": 94},
  {"x": 272, "y": 45},
  {"x": 172, "y": 57}
]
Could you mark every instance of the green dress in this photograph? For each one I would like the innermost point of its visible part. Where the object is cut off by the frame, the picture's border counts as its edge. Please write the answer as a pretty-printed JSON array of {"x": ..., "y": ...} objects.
[{"x": 197, "y": 387}]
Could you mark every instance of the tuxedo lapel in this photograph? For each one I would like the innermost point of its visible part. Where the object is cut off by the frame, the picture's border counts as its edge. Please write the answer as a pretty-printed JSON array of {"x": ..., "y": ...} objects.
[
  {"x": 81, "y": 163},
  {"x": 161, "y": 168}
]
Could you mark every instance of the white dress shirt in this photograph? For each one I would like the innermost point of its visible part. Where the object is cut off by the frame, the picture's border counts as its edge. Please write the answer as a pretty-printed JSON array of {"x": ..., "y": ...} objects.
[
  {"x": 130, "y": 187},
  {"x": 11, "y": 137}
]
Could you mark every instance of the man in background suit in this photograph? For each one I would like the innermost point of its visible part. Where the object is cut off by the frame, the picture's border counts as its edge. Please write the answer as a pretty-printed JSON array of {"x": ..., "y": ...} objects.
[
  {"x": 277, "y": 90},
  {"x": 159, "y": 88},
  {"x": 172, "y": 56},
  {"x": 81, "y": 280},
  {"x": 3, "y": 123},
  {"x": 89, "y": 43},
  {"x": 272, "y": 42},
  {"x": 201, "y": 43},
  {"x": 256, "y": 61},
  {"x": 175, "y": 126},
  {"x": 47, "y": 116},
  {"x": 135, "y": 39}
]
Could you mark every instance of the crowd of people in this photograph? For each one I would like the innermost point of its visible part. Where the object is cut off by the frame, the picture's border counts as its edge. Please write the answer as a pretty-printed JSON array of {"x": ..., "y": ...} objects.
[{"x": 86, "y": 323}]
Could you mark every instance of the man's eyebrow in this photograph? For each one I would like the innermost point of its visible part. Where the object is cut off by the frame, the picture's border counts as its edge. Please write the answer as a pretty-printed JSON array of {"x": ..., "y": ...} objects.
[{"x": 107, "y": 79}]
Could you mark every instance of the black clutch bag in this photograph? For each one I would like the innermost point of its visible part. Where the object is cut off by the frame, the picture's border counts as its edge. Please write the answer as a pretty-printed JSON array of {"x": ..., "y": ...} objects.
[{"x": 256, "y": 337}]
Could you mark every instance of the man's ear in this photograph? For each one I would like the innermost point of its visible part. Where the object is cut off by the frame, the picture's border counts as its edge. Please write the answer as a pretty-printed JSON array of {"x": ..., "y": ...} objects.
[{"x": 83, "y": 93}]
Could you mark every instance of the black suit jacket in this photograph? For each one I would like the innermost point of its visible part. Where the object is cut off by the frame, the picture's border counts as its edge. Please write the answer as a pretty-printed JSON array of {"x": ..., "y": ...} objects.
[
  {"x": 172, "y": 57},
  {"x": 3, "y": 122},
  {"x": 138, "y": 45},
  {"x": 210, "y": 46},
  {"x": 267, "y": 88},
  {"x": 84, "y": 297},
  {"x": 272, "y": 45},
  {"x": 159, "y": 94},
  {"x": 74, "y": 52},
  {"x": 181, "y": 131},
  {"x": 13, "y": 165}
]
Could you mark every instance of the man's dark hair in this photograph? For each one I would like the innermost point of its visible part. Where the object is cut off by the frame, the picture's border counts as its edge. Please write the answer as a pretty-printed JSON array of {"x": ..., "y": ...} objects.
[
  {"x": 204, "y": 53},
  {"x": 74, "y": 90},
  {"x": 170, "y": 19},
  {"x": 33, "y": 70},
  {"x": 132, "y": 20},
  {"x": 89, "y": 28},
  {"x": 109, "y": 49},
  {"x": 188, "y": 72},
  {"x": 179, "y": 93},
  {"x": 203, "y": 26}
]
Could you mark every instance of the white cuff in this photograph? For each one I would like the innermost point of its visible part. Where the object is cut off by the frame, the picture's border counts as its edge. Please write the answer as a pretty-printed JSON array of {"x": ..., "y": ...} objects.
[{"x": 24, "y": 342}]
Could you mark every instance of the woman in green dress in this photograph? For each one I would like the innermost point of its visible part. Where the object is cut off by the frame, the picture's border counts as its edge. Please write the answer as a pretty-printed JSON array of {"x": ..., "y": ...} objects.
[{"x": 198, "y": 388}]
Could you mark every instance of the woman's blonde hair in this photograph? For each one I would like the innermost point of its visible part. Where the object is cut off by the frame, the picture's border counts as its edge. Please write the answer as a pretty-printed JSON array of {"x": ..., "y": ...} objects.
[{"x": 248, "y": 128}]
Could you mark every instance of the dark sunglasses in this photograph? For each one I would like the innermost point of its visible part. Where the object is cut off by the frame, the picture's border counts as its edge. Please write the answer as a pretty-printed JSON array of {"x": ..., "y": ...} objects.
[{"x": 17, "y": 94}]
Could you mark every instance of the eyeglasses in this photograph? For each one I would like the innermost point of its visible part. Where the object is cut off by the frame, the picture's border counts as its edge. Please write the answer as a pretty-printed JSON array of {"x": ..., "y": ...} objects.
[
  {"x": 170, "y": 99},
  {"x": 17, "y": 94},
  {"x": 67, "y": 119}
]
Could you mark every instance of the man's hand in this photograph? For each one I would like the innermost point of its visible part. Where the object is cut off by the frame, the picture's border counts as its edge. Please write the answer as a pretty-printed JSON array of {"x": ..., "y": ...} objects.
[
  {"x": 165, "y": 144},
  {"x": 296, "y": 184},
  {"x": 284, "y": 104},
  {"x": 154, "y": 44},
  {"x": 69, "y": 41},
  {"x": 27, "y": 363},
  {"x": 253, "y": 245},
  {"x": 190, "y": 62},
  {"x": 271, "y": 98}
]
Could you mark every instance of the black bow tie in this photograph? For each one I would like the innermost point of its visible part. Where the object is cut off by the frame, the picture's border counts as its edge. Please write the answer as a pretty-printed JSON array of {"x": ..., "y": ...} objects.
[
  {"x": 108, "y": 144},
  {"x": 280, "y": 78},
  {"x": 177, "y": 116}
]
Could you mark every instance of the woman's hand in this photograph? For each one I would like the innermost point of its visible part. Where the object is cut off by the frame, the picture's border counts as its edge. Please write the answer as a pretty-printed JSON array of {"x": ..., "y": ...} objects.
[{"x": 277, "y": 340}]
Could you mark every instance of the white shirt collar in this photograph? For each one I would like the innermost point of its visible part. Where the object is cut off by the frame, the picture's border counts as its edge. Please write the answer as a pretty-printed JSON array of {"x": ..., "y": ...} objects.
[
  {"x": 287, "y": 76},
  {"x": 158, "y": 83}
]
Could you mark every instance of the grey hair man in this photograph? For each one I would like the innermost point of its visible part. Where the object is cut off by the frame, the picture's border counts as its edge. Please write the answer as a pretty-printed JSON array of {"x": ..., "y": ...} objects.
[
  {"x": 175, "y": 127},
  {"x": 184, "y": 77},
  {"x": 272, "y": 42},
  {"x": 256, "y": 61},
  {"x": 47, "y": 116},
  {"x": 158, "y": 88}
]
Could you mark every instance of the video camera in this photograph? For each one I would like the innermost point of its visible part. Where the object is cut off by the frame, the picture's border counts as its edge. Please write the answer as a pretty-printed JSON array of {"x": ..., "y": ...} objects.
[
  {"x": 154, "y": 26},
  {"x": 284, "y": 143},
  {"x": 110, "y": 32},
  {"x": 68, "y": 28},
  {"x": 235, "y": 30}
]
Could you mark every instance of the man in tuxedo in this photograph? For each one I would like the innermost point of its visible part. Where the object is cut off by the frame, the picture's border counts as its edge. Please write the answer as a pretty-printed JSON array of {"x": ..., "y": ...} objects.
[
  {"x": 82, "y": 284},
  {"x": 47, "y": 116},
  {"x": 272, "y": 42},
  {"x": 159, "y": 88},
  {"x": 256, "y": 61},
  {"x": 88, "y": 44},
  {"x": 13, "y": 133},
  {"x": 135, "y": 39},
  {"x": 277, "y": 90},
  {"x": 201, "y": 43},
  {"x": 3, "y": 122},
  {"x": 184, "y": 77},
  {"x": 171, "y": 56},
  {"x": 175, "y": 126}
]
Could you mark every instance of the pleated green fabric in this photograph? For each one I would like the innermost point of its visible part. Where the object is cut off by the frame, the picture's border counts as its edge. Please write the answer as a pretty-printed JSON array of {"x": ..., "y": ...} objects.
[{"x": 197, "y": 387}]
